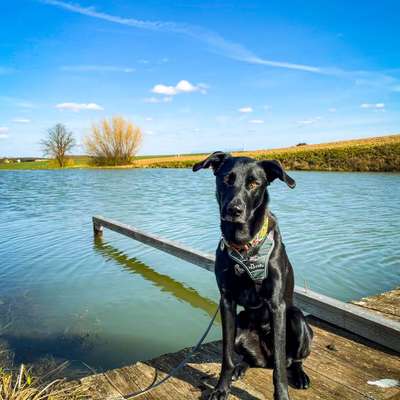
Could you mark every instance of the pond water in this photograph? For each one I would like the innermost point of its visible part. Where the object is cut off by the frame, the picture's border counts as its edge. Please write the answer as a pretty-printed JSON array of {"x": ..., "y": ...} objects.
[{"x": 113, "y": 301}]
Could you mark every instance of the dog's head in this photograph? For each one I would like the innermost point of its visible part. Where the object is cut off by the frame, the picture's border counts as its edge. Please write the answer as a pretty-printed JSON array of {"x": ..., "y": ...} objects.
[{"x": 242, "y": 183}]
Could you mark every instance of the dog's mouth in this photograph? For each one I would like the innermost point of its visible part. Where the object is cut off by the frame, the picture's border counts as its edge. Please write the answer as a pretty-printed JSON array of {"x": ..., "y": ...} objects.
[{"x": 233, "y": 219}]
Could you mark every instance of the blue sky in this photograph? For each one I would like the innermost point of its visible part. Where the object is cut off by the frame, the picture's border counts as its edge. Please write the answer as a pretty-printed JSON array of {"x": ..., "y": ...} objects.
[{"x": 200, "y": 75}]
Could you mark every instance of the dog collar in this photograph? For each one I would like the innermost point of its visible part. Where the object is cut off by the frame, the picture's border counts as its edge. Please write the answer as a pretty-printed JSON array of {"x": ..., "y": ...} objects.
[{"x": 253, "y": 257}]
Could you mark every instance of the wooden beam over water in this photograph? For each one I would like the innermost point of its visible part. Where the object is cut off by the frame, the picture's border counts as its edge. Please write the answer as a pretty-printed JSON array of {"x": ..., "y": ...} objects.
[{"x": 347, "y": 316}]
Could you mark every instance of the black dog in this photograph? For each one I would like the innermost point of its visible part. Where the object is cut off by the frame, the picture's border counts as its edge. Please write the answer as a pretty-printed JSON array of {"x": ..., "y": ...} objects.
[{"x": 253, "y": 271}]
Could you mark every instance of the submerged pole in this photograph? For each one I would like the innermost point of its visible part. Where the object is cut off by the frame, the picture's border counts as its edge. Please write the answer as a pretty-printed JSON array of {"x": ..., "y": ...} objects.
[{"x": 97, "y": 228}]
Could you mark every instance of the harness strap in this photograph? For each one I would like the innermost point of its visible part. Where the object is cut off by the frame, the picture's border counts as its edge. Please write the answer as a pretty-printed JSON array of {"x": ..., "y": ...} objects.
[{"x": 253, "y": 258}]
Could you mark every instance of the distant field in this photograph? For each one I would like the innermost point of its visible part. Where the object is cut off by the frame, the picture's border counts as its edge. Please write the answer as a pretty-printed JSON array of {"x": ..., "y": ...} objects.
[{"x": 370, "y": 154}]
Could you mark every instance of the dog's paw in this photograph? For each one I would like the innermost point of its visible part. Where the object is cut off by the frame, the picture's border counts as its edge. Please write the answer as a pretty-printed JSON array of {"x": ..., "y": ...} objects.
[
  {"x": 298, "y": 378},
  {"x": 239, "y": 371},
  {"x": 219, "y": 394}
]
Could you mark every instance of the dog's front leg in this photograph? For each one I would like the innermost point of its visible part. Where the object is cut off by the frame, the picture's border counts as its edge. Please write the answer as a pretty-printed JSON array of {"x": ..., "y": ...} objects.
[
  {"x": 228, "y": 314},
  {"x": 278, "y": 308}
]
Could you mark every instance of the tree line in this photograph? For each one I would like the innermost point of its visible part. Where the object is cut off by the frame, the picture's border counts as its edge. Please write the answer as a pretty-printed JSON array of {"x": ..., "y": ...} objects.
[{"x": 111, "y": 142}]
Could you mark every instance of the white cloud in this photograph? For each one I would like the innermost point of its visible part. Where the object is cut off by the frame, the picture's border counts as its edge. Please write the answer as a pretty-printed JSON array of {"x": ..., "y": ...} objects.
[
  {"x": 213, "y": 40},
  {"x": 3, "y": 132},
  {"x": 256, "y": 121},
  {"x": 96, "y": 68},
  {"x": 182, "y": 86},
  {"x": 332, "y": 109},
  {"x": 155, "y": 100},
  {"x": 376, "y": 106},
  {"x": 149, "y": 119},
  {"x": 151, "y": 100},
  {"x": 21, "y": 120},
  {"x": 79, "y": 106},
  {"x": 246, "y": 109},
  {"x": 163, "y": 89},
  {"x": 186, "y": 87},
  {"x": 149, "y": 132},
  {"x": 309, "y": 121},
  {"x": 216, "y": 43},
  {"x": 305, "y": 122}
]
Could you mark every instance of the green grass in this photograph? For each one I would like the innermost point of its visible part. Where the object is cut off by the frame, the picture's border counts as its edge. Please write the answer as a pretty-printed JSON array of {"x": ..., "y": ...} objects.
[
  {"x": 370, "y": 154},
  {"x": 381, "y": 154},
  {"x": 382, "y": 158},
  {"x": 73, "y": 162}
]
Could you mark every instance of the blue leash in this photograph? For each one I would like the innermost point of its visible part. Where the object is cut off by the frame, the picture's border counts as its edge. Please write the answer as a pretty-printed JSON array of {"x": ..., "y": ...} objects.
[{"x": 156, "y": 384}]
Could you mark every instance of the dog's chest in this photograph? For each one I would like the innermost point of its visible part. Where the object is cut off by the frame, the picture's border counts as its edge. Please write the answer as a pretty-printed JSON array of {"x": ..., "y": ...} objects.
[{"x": 249, "y": 294}]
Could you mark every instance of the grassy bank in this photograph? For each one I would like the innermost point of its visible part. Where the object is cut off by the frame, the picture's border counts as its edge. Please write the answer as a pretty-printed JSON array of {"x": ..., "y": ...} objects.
[{"x": 371, "y": 154}]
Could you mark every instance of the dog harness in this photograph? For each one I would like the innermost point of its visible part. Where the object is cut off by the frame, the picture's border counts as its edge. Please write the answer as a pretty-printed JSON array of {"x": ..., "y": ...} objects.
[{"x": 253, "y": 257}]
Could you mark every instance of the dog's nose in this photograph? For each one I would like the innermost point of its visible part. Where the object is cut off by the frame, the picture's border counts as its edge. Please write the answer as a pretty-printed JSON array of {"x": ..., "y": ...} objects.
[{"x": 235, "y": 210}]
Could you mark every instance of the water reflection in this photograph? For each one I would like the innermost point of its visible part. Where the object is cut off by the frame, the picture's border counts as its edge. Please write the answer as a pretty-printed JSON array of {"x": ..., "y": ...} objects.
[{"x": 163, "y": 282}]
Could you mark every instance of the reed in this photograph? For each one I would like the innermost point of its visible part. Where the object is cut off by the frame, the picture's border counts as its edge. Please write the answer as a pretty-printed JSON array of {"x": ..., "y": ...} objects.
[{"x": 22, "y": 385}]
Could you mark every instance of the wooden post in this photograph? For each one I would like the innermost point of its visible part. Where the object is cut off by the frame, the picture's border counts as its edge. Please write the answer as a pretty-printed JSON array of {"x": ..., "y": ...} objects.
[{"x": 97, "y": 228}]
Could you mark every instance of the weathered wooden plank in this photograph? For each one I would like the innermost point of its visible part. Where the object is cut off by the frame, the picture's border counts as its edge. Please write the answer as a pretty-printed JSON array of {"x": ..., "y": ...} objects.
[
  {"x": 337, "y": 344},
  {"x": 332, "y": 378},
  {"x": 347, "y": 316},
  {"x": 386, "y": 304},
  {"x": 186, "y": 253},
  {"x": 355, "y": 319},
  {"x": 340, "y": 366}
]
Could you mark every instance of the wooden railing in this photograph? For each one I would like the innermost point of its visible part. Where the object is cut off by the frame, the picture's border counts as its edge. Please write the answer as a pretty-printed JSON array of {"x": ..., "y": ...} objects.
[{"x": 347, "y": 316}]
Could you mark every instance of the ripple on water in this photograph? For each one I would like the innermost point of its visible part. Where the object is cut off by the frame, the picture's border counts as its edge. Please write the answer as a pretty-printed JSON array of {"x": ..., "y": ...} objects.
[{"x": 341, "y": 231}]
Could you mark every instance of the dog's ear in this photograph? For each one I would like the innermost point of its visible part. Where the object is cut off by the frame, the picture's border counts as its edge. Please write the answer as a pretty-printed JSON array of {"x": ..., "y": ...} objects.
[
  {"x": 273, "y": 169},
  {"x": 214, "y": 160}
]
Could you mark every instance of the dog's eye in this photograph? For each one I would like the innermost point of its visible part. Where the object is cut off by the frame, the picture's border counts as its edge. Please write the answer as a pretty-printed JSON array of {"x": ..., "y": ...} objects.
[
  {"x": 253, "y": 184},
  {"x": 229, "y": 179}
]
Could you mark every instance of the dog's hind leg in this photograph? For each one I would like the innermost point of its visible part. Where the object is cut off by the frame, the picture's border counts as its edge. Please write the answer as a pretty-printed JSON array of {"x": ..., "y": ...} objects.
[
  {"x": 248, "y": 345},
  {"x": 298, "y": 346}
]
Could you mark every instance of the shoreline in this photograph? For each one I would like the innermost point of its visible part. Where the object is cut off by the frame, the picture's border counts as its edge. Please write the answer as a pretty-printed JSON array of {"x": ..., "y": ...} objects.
[{"x": 375, "y": 154}]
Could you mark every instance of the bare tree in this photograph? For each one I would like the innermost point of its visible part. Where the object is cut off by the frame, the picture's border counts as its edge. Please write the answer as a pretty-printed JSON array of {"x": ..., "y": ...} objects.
[
  {"x": 58, "y": 143},
  {"x": 113, "y": 142}
]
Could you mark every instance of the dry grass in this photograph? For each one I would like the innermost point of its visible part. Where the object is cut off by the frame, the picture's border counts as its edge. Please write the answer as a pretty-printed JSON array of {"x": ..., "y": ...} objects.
[
  {"x": 22, "y": 385},
  {"x": 380, "y": 153},
  {"x": 371, "y": 154}
]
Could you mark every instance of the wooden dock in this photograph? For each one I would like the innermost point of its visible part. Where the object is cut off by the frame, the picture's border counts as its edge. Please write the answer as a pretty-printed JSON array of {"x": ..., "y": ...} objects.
[{"x": 343, "y": 364}]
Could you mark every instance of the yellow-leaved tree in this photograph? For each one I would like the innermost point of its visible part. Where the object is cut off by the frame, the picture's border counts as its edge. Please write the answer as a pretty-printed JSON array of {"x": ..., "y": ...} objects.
[{"x": 113, "y": 142}]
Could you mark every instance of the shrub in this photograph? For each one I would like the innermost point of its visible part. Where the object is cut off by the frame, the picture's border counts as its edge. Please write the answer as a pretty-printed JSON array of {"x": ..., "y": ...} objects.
[{"x": 113, "y": 142}]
